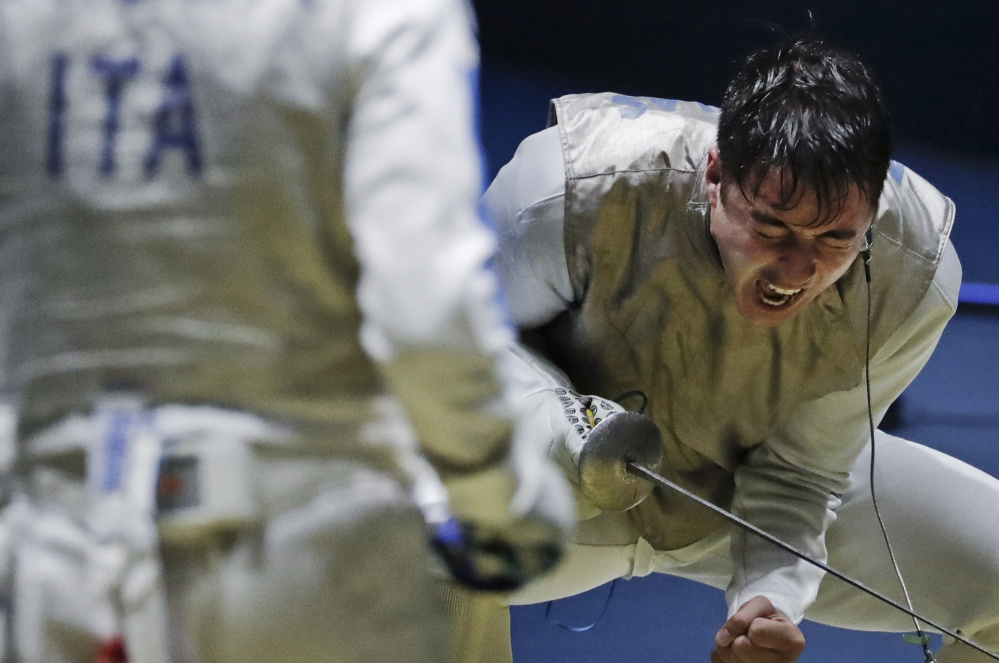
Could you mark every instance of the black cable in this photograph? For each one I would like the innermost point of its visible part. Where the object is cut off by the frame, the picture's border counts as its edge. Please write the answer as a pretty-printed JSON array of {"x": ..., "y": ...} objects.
[
  {"x": 634, "y": 392},
  {"x": 921, "y": 638}
]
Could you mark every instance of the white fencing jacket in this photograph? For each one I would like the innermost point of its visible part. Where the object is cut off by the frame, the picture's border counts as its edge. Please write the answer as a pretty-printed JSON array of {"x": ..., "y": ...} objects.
[
  {"x": 214, "y": 202},
  {"x": 605, "y": 250}
]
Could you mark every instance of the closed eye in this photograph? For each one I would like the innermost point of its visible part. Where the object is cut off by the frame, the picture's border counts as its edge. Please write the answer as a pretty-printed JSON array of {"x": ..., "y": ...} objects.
[
  {"x": 840, "y": 240},
  {"x": 768, "y": 226},
  {"x": 768, "y": 232}
]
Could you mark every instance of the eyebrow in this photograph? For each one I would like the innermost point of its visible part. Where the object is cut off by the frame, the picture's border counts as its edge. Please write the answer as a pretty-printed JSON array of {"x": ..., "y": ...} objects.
[{"x": 768, "y": 220}]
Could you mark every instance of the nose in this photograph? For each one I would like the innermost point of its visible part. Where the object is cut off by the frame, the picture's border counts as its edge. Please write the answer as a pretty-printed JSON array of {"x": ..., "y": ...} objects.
[{"x": 797, "y": 264}]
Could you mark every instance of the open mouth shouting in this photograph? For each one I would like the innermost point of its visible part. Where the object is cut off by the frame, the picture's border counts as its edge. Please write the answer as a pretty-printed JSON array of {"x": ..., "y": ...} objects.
[{"x": 775, "y": 296}]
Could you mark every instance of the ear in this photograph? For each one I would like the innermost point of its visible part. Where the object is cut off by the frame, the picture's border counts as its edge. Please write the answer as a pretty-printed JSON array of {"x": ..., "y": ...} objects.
[{"x": 712, "y": 177}]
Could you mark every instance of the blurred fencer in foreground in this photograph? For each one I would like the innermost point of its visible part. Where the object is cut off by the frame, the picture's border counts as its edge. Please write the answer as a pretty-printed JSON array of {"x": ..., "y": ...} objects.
[{"x": 230, "y": 230}]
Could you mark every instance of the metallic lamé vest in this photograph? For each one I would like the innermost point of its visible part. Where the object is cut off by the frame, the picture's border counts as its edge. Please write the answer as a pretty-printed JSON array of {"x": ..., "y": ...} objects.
[
  {"x": 228, "y": 279},
  {"x": 654, "y": 312}
]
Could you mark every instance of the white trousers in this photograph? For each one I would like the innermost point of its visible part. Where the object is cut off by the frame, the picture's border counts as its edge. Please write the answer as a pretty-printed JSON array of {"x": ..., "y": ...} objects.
[
  {"x": 340, "y": 578},
  {"x": 943, "y": 519},
  {"x": 334, "y": 571}
]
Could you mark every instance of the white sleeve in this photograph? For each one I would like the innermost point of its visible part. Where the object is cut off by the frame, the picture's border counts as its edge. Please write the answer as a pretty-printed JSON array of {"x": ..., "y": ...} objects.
[
  {"x": 431, "y": 306},
  {"x": 526, "y": 203},
  {"x": 789, "y": 485}
]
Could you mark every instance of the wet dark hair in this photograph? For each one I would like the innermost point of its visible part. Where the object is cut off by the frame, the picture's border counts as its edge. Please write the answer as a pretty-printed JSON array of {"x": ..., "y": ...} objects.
[{"x": 813, "y": 113}]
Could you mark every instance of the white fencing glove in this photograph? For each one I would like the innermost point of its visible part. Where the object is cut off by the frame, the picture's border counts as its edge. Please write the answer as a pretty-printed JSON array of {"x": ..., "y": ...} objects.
[{"x": 593, "y": 439}]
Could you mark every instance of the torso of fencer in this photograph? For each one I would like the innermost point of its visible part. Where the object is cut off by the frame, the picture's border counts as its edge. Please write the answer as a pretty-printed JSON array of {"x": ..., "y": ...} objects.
[
  {"x": 653, "y": 312},
  {"x": 171, "y": 210}
]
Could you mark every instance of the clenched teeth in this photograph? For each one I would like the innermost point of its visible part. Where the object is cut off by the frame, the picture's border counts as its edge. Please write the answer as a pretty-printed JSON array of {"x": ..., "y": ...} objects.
[
  {"x": 773, "y": 295},
  {"x": 783, "y": 291}
]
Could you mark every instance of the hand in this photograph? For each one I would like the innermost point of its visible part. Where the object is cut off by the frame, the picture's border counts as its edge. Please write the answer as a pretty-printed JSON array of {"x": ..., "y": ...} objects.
[
  {"x": 498, "y": 527},
  {"x": 758, "y": 633},
  {"x": 490, "y": 565}
]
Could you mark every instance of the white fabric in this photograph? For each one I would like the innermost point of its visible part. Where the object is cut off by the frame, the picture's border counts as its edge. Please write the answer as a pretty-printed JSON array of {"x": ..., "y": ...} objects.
[
  {"x": 544, "y": 387},
  {"x": 233, "y": 281},
  {"x": 50, "y": 551},
  {"x": 529, "y": 214},
  {"x": 270, "y": 593},
  {"x": 191, "y": 193},
  {"x": 306, "y": 587},
  {"x": 526, "y": 203}
]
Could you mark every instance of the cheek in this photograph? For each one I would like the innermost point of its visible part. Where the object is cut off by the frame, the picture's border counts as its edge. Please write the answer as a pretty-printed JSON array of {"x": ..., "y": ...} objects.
[
  {"x": 742, "y": 253},
  {"x": 740, "y": 250},
  {"x": 837, "y": 267}
]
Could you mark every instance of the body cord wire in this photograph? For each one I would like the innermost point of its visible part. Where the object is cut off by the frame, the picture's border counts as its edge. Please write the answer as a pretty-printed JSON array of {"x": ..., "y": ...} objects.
[
  {"x": 921, "y": 637},
  {"x": 548, "y": 608}
]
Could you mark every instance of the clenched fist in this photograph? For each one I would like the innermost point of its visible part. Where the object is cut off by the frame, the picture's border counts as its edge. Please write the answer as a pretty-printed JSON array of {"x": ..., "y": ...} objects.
[{"x": 758, "y": 633}]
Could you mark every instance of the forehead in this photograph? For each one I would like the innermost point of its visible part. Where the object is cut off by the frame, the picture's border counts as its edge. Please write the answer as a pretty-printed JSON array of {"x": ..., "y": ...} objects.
[{"x": 780, "y": 195}]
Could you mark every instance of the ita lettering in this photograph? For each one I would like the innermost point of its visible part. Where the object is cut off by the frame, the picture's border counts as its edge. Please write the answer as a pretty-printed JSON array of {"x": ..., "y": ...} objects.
[{"x": 171, "y": 126}]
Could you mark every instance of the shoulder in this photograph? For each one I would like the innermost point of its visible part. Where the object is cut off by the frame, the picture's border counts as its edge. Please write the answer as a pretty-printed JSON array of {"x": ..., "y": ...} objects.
[
  {"x": 533, "y": 178},
  {"x": 913, "y": 263},
  {"x": 605, "y": 133},
  {"x": 914, "y": 216},
  {"x": 403, "y": 31}
]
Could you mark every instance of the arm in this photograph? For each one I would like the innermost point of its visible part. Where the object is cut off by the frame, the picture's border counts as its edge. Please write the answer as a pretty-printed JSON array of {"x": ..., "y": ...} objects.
[
  {"x": 431, "y": 306},
  {"x": 411, "y": 179},
  {"x": 788, "y": 485},
  {"x": 526, "y": 204}
]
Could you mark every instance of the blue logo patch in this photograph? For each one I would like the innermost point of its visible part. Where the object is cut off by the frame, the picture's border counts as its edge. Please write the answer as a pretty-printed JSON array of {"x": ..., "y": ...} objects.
[
  {"x": 896, "y": 170},
  {"x": 635, "y": 107}
]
